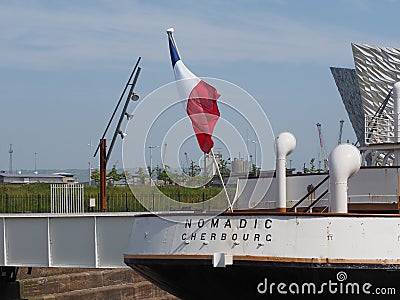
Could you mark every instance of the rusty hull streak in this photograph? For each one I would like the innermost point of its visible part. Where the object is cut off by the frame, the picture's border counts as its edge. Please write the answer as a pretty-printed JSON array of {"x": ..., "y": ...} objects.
[
  {"x": 319, "y": 260},
  {"x": 271, "y": 212}
]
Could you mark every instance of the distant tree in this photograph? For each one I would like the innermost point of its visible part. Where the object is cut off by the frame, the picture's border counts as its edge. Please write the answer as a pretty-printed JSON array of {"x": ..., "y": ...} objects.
[
  {"x": 305, "y": 169},
  {"x": 312, "y": 165},
  {"x": 312, "y": 168},
  {"x": 255, "y": 171},
  {"x": 163, "y": 175},
  {"x": 113, "y": 176},
  {"x": 127, "y": 176},
  {"x": 142, "y": 175},
  {"x": 193, "y": 169},
  {"x": 157, "y": 171},
  {"x": 223, "y": 166},
  {"x": 95, "y": 176}
]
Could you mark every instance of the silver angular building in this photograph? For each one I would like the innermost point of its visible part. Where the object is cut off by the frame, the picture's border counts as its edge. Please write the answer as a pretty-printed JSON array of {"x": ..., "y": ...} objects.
[
  {"x": 347, "y": 84},
  {"x": 366, "y": 95}
]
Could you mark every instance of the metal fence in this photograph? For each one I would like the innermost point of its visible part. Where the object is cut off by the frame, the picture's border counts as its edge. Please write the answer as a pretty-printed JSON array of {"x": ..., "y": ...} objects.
[
  {"x": 67, "y": 198},
  {"x": 43, "y": 203},
  {"x": 119, "y": 202}
]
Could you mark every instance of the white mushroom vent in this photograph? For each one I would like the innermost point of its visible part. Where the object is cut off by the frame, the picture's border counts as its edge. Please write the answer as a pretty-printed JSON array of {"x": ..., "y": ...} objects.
[{"x": 344, "y": 162}]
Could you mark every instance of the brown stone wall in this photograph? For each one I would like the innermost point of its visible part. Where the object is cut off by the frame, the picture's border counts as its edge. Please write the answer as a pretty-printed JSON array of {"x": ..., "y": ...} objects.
[{"x": 81, "y": 284}]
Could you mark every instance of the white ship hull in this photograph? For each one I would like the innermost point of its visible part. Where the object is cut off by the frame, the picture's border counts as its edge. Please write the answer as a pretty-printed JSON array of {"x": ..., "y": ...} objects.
[{"x": 241, "y": 254}]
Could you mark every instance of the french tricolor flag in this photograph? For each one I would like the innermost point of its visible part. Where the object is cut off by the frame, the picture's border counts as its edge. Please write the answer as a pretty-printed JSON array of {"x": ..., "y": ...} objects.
[{"x": 201, "y": 98}]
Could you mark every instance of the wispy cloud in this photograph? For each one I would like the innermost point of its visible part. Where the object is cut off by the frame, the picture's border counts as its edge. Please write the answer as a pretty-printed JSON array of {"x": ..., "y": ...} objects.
[{"x": 42, "y": 36}]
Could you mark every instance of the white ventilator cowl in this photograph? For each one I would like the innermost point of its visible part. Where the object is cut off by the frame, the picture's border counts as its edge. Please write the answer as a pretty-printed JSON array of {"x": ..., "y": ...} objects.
[
  {"x": 284, "y": 145},
  {"x": 344, "y": 162}
]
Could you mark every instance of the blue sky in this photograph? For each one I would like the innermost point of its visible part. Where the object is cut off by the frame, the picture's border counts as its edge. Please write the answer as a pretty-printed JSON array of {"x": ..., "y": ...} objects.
[{"x": 63, "y": 65}]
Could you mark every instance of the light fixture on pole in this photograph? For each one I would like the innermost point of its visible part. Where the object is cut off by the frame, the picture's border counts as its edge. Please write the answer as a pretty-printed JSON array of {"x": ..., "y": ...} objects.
[
  {"x": 119, "y": 101},
  {"x": 128, "y": 116},
  {"x": 122, "y": 134},
  {"x": 134, "y": 97},
  {"x": 104, "y": 154}
]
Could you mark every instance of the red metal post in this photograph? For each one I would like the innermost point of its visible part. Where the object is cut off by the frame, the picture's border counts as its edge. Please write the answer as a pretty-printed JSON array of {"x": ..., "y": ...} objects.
[{"x": 103, "y": 167}]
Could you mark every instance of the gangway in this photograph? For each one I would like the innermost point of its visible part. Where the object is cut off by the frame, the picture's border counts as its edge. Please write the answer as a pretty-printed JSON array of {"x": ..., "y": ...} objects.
[{"x": 88, "y": 240}]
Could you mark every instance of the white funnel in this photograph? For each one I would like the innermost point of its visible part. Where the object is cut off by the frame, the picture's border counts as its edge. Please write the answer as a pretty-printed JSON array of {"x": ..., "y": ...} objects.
[
  {"x": 284, "y": 145},
  {"x": 344, "y": 162}
]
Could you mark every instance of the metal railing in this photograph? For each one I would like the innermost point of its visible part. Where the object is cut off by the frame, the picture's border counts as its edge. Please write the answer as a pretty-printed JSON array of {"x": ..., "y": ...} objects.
[
  {"x": 294, "y": 207},
  {"x": 379, "y": 129},
  {"x": 309, "y": 208}
]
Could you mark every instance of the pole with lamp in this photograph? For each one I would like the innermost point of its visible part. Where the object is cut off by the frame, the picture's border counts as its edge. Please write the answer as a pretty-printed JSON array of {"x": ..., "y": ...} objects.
[{"x": 104, "y": 155}]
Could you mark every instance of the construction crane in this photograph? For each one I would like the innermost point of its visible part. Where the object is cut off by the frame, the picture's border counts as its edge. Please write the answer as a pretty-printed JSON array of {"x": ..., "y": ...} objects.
[
  {"x": 340, "y": 131},
  {"x": 322, "y": 152}
]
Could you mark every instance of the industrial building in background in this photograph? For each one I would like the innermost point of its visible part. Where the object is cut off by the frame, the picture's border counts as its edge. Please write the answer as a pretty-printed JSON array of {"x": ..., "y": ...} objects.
[{"x": 20, "y": 178}]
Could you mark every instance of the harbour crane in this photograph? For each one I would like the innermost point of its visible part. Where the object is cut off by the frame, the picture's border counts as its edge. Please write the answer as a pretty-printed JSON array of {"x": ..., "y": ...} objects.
[
  {"x": 340, "y": 131},
  {"x": 322, "y": 152}
]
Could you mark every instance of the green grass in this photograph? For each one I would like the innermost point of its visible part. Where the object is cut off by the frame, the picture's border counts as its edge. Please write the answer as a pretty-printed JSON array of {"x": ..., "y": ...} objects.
[
  {"x": 25, "y": 189},
  {"x": 36, "y": 198}
]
